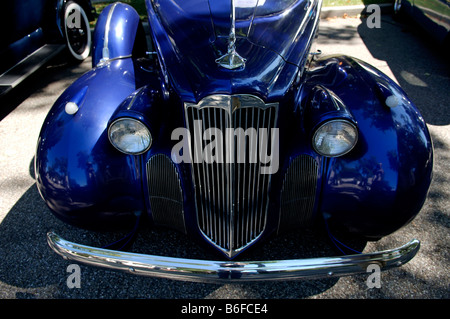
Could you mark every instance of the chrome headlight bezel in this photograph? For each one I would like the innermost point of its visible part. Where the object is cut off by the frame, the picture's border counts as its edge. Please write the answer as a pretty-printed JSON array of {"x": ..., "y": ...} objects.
[
  {"x": 327, "y": 124},
  {"x": 140, "y": 130}
]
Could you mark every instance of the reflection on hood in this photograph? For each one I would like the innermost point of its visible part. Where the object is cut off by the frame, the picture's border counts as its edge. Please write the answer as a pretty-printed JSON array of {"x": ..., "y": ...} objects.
[{"x": 271, "y": 35}]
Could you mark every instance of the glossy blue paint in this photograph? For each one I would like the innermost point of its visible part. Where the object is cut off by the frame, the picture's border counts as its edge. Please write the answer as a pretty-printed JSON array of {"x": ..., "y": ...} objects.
[
  {"x": 78, "y": 172},
  {"x": 24, "y": 21},
  {"x": 189, "y": 38},
  {"x": 16, "y": 51},
  {"x": 372, "y": 191},
  {"x": 115, "y": 33}
]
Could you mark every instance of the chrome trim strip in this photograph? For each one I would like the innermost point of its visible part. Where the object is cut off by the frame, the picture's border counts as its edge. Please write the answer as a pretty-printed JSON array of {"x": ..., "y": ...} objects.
[
  {"x": 103, "y": 62},
  {"x": 231, "y": 102},
  {"x": 308, "y": 7},
  {"x": 231, "y": 272},
  {"x": 105, "y": 50}
]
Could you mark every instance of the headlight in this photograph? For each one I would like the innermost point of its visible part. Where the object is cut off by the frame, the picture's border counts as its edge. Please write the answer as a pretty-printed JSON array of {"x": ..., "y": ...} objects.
[
  {"x": 335, "y": 138},
  {"x": 129, "y": 136}
]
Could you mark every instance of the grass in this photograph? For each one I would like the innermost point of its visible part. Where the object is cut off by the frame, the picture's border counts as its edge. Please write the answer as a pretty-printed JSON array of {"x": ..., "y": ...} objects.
[{"x": 139, "y": 5}]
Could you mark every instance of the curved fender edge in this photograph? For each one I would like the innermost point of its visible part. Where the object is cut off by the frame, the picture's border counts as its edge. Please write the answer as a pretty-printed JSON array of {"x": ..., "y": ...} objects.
[
  {"x": 382, "y": 184},
  {"x": 79, "y": 174},
  {"x": 118, "y": 34}
]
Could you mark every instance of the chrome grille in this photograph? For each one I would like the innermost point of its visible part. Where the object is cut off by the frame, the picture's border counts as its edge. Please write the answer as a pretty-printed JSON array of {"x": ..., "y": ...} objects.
[
  {"x": 298, "y": 193},
  {"x": 165, "y": 193},
  {"x": 231, "y": 193}
]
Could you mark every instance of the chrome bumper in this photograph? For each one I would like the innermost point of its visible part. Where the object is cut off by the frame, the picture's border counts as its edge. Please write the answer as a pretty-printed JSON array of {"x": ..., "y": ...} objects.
[{"x": 231, "y": 271}]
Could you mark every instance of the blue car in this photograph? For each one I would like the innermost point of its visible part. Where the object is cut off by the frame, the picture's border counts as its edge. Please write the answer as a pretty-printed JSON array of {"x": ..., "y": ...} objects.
[
  {"x": 432, "y": 15},
  {"x": 33, "y": 31},
  {"x": 228, "y": 127}
]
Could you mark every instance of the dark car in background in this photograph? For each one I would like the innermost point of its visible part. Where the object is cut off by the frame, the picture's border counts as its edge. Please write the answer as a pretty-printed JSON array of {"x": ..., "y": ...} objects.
[
  {"x": 33, "y": 31},
  {"x": 432, "y": 15}
]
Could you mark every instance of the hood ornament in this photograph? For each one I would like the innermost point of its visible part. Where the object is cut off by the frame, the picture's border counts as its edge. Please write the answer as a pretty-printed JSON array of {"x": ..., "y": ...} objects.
[{"x": 232, "y": 60}]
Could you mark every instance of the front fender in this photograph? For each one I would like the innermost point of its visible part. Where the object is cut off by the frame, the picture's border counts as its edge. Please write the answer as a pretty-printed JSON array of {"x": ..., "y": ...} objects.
[
  {"x": 78, "y": 172},
  {"x": 382, "y": 184},
  {"x": 118, "y": 34}
]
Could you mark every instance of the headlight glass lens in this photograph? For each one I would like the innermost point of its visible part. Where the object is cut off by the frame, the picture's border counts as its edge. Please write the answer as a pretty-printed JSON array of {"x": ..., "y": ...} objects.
[
  {"x": 130, "y": 136},
  {"x": 335, "y": 138}
]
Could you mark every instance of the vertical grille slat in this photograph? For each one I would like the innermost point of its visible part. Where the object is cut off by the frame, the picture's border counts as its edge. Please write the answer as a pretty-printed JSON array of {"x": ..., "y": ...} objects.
[
  {"x": 298, "y": 193},
  {"x": 165, "y": 193},
  {"x": 231, "y": 197}
]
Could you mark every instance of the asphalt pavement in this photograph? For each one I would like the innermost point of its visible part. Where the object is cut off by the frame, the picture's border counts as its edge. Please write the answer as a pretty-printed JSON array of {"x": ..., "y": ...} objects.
[{"x": 30, "y": 270}]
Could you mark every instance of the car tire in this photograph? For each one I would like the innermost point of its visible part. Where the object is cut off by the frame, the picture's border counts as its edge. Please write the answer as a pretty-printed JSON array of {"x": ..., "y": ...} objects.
[{"x": 77, "y": 32}]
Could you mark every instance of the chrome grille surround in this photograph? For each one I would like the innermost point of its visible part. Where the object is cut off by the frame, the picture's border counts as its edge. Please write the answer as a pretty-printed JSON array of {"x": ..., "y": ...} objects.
[
  {"x": 165, "y": 192},
  {"x": 231, "y": 197}
]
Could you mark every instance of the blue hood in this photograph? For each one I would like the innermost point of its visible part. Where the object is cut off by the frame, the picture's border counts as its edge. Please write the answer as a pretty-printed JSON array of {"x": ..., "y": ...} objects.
[{"x": 273, "y": 37}]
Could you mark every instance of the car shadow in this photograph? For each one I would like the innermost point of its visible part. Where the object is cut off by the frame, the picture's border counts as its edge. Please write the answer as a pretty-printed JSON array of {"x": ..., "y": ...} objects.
[
  {"x": 32, "y": 270},
  {"x": 59, "y": 70},
  {"x": 421, "y": 66},
  {"x": 418, "y": 62}
]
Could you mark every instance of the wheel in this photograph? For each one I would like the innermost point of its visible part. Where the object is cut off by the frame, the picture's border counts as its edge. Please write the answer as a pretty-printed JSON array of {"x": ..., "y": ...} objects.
[{"x": 77, "y": 32}]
